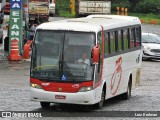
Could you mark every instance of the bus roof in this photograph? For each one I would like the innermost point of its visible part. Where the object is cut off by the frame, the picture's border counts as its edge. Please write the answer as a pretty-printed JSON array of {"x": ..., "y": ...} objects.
[{"x": 91, "y": 23}]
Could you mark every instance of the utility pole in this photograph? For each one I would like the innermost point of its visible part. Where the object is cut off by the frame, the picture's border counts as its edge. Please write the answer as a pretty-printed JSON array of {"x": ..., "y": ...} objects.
[
  {"x": 25, "y": 20},
  {"x": 25, "y": 10}
]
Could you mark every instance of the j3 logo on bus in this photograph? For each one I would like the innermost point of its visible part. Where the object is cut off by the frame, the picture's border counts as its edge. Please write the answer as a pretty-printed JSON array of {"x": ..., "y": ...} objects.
[{"x": 116, "y": 76}]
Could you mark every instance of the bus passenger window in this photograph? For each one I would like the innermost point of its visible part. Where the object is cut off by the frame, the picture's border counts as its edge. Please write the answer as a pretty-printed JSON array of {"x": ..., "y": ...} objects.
[
  {"x": 138, "y": 36},
  {"x": 99, "y": 37},
  {"x": 119, "y": 41},
  {"x": 99, "y": 41},
  {"x": 125, "y": 39},
  {"x": 98, "y": 68},
  {"x": 106, "y": 43},
  {"x": 112, "y": 42},
  {"x": 132, "y": 37}
]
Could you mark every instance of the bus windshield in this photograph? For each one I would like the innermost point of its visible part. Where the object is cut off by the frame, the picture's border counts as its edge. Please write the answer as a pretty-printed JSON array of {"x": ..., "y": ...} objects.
[{"x": 62, "y": 56}]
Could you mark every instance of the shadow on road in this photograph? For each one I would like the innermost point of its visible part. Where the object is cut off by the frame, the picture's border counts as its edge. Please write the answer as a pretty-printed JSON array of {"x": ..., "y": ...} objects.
[
  {"x": 70, "y": 110},
  {"x": 79, "y": 108},
  {"x": 151, "y": 60}
]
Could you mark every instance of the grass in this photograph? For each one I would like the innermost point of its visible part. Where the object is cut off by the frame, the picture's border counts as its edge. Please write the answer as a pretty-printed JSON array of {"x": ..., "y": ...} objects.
[
  {"x": 68, "y": 15},
  {"x": 151, "y": 15},
  {"x": 146, "y": 18}
]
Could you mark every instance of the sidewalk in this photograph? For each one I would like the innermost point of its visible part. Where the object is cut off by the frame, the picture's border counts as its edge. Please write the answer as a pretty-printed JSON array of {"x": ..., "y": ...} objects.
[
  {"x": 3, "y": 54},
  {"x": 11, "y": 65}
]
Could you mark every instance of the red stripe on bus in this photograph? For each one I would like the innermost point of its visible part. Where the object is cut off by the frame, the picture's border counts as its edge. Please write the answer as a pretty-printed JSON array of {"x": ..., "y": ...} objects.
[{"x": 61, "y": 87}]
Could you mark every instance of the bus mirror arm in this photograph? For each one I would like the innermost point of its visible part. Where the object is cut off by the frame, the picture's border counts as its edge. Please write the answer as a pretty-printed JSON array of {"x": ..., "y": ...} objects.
[{"x": 95, "y": 54}]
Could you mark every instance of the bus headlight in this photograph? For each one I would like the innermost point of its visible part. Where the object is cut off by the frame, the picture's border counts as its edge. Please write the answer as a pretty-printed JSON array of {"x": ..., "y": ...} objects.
[
  {"x": 85, "y": 89},
  {"x": 35, "y": 85}
]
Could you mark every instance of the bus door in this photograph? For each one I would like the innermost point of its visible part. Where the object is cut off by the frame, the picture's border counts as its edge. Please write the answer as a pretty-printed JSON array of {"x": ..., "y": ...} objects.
[{"x": 99, "y": 66}]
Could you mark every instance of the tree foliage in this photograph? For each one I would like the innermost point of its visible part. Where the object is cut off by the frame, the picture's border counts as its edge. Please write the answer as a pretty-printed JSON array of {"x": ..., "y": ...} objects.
[
  {"x": 140, "y": 6},
  {"x": 148, "y": 6}
]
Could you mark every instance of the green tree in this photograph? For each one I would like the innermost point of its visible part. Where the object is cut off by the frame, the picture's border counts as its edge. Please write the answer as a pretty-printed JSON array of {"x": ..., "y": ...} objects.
[
  {"x": 148, "y": 6},
  {"x": 133, "y": 3}
]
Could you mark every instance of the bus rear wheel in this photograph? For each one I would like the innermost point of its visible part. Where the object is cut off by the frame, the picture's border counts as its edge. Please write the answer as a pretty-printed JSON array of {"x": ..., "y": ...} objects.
[
  {"x": 101, "y": 103},
  {"x": 45, "y": 105}
]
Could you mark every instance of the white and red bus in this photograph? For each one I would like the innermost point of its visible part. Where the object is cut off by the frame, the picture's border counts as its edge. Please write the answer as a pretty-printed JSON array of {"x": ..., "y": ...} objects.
[{"x": 112, "y": 45}]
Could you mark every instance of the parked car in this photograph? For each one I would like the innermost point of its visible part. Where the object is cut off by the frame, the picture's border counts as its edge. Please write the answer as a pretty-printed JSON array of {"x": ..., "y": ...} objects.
[{"x": 151, "y": 46}]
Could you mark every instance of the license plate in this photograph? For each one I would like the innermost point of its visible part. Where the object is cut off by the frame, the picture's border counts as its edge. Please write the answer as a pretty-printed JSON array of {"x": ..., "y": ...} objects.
[{"x": 60, "y": 97}]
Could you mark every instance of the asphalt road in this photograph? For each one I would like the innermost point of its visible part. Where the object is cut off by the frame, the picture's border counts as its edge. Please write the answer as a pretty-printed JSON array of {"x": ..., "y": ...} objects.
[
  {"x": 148, "y": 28},
  {"x": 15, "y": 95}
]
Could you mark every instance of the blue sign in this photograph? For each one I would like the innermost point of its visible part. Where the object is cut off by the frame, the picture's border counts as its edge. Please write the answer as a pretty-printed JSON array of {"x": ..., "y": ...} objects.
[
  {"x": 16, "y": 4},
  {"x": 64, "y": 77}
]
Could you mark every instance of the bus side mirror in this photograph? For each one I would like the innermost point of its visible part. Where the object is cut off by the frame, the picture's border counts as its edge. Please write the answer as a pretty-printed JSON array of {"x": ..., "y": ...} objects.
[{"x": 96, "y": 54}]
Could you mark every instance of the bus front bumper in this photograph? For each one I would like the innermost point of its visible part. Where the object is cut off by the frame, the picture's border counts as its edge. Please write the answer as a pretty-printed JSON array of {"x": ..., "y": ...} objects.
[{"x": 82, "y": 98}]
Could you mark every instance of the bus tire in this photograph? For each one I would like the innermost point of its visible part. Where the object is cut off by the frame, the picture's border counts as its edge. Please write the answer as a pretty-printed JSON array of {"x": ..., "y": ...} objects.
[
  {"x": 127, "y": 95},
  {"x": 45, "y": 105},
  {"x": 100, "y": 104}
]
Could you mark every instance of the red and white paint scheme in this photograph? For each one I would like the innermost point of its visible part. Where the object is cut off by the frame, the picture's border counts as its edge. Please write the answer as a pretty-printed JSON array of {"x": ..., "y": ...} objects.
[
  {"x": 116, "y": 77},
  {"x": 85, "y": 60}
]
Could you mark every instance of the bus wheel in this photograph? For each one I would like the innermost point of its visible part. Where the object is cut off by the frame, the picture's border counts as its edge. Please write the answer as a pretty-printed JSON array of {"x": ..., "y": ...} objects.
[
  {"x": 45, "y": 105},
  {"x": 101, "y": 103},
  {"x": 127, "y": 95}
]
